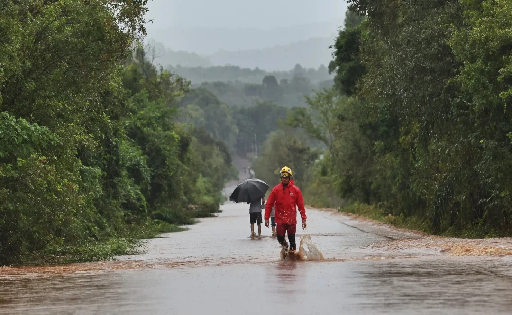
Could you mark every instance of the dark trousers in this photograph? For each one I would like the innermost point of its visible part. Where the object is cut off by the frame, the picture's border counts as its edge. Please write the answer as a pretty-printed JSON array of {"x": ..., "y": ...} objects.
[{"x": 282, "y": 229}]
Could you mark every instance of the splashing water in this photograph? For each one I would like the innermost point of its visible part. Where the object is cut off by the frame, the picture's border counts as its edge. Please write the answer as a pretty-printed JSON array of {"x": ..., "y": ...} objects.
[{"x": 308, "y": 250}]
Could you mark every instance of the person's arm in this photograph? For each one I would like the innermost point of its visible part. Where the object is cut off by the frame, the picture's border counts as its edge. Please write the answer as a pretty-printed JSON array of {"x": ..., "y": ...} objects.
[
  {"x": 268, "y": 206},
  {"x": 302, "y": 210}
]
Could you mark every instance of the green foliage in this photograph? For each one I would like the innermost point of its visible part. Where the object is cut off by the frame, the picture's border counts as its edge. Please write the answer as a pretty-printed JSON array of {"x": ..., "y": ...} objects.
[
  {"x": 242, "y": 129},
  {"x": 318, "y": 186},
  {"x": 284, "y": 147},
  {"x": 203, "y": 109},
  {"x": 255, "y": 123},
  {"x": 90, "y": 251},
  {"x": 427, "y": 139},
  {"x": 287, "y": 93},
  {"x": 375, "y": 213},
  {"x": 347, "y": 58},
  {"x": 231, "y": 94},
  {"x": 213, "y": 162},
  {"x": 49, "y": 112},
  {"x": 166, "y": 56},
  {"x": 339, "y": 123},
  {"x": 286, "y": 89},
  {"x": 91, "y": 155},
  {"x": 321, "y": 117},
  {"x": 233, "y": 74}
]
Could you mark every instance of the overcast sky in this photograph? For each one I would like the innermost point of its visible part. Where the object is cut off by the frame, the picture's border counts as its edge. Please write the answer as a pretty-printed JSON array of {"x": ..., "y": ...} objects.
[
  {"x": 210, "y": 27},
  {"x": 261, "y": 14}
]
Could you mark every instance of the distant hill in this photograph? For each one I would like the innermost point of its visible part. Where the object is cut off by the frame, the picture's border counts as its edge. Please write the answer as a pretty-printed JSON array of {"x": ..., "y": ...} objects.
[
  {"x": 207, "y": 41},
  {"x": 165, "y": 56},
  {"x": 310, "y": 53},
  {"x": 236, "y": 74}
]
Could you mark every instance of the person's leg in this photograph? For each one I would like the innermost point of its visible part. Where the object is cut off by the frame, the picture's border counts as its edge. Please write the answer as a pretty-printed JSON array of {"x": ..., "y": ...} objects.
[
  {"x": 252, "y": 220},
  {"x": 259, "y": 220},
  {"x": 291, "y": 229},
  {"x": 280, "y": 231},
  {"x": 291, "y": 238},
  {"x": 273, "y": 226}
]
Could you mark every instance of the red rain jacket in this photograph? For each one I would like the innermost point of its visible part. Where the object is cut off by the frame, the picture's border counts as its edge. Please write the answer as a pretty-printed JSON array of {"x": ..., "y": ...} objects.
[{"x": 286, "y": 200}]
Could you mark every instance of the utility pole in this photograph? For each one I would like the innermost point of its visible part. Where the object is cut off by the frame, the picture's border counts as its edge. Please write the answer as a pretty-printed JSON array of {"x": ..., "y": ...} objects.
[{"x": 256, "y": 144}]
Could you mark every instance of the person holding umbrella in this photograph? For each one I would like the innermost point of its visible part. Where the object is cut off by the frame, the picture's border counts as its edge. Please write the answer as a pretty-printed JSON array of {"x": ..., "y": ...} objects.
[
  {"x": 286, "y": 197},
  {"x": 253, "y": 192},
  {"x": 255, "y": 208}
]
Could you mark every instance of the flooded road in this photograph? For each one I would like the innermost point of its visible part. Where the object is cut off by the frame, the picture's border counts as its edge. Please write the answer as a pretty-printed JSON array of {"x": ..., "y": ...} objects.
[{"x": 215, "y": 268}]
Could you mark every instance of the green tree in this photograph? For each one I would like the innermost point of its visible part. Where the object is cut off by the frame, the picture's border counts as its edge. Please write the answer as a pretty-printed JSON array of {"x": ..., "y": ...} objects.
[
  {"x": 90, "y": 150},
  {"x": 255, "y": 123},
  {"x": 347, "y": 56},
  {"x": 436, "y": 80},
  {"x": 58, "y": 66},
  {"x": 203, "y": 109},
  {"x": 284, "y": 147},
  {"x": 272, "y": 90}
]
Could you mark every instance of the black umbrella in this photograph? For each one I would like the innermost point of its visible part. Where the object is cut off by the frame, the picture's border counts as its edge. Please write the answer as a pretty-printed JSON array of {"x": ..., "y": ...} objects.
[{"x": 249, "y": 190}]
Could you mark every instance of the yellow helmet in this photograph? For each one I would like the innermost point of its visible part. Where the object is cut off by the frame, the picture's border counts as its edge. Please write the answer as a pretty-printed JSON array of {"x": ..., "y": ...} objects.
[{"x": 286, "y": 172}]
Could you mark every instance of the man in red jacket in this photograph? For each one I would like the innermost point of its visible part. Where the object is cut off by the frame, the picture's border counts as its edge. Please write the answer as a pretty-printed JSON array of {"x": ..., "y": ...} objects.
[{"x": 286, "y": 197}]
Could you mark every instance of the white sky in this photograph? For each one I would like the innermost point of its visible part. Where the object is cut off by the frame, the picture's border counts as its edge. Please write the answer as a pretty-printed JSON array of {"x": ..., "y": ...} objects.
[{"x": 260, "y": 14}]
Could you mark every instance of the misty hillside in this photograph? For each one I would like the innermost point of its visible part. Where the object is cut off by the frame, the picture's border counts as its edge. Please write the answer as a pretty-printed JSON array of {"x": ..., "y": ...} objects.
[
  {"x": 207, "y": 41},
  {"x": 165, "y": 56},
  {"x": 310, "y": 53},
  {"x": 236, "y": 74}
]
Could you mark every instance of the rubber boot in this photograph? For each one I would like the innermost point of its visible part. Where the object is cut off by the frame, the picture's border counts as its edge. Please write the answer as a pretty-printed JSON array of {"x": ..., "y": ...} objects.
[
  {"x": 284, "y": 249},
  {"x": 291, "y": 238},
  {"x": 282, "y": 241}
]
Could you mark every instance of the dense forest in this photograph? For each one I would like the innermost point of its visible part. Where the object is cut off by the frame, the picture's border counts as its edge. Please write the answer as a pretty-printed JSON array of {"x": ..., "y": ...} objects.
[
  {"x": 418, "y": 125},
  {"x": 247, "y": 87},
  {"x": 286, "y": 93},
  {"x": 235, "y": 74},
  {"x": 92, "y": 155}
]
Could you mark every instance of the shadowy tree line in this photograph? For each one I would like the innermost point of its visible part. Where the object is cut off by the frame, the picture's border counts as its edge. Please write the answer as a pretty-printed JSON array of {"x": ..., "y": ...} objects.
[
  {"x": 242, "y": 129},
  {"x": 232, "y": 74}
]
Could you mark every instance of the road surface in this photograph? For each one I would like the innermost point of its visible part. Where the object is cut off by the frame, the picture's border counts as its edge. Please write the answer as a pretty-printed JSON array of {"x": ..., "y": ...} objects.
[{"x": 215, "y": 268}]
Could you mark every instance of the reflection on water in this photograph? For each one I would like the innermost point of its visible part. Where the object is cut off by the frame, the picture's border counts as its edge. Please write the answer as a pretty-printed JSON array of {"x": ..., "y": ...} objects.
[
  {"x": 449, "y": 285},
  {"x": 58, "y": 294},
  {"x": 283, "y": 287},
  {"x": 284, "y": 280}
]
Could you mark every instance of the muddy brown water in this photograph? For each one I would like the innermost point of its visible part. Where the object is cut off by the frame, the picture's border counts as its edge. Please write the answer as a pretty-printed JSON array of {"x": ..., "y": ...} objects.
[{"x": 215, "y": 268}]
